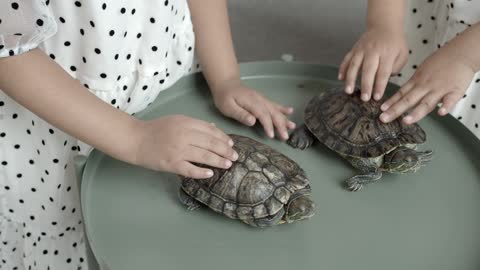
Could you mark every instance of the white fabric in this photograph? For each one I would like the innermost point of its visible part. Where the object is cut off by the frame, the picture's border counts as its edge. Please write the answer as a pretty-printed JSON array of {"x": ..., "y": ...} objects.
[
  {"x": 125, "y": 52},
  {"x": 429, "y": 25}
]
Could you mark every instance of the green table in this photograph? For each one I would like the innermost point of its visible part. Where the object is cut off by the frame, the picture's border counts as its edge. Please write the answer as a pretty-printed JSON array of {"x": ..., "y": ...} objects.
[{"x": 427, "y": 220}]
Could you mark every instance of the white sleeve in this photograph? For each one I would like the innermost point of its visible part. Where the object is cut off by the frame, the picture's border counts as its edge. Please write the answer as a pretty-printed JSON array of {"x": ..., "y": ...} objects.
[{"x": 24, "y": 24}]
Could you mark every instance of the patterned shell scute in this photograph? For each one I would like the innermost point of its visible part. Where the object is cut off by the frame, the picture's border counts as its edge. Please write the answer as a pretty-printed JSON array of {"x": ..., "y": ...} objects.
[
  {"x": 257, "y": 185},
  {"x": 350, "y": 126}
]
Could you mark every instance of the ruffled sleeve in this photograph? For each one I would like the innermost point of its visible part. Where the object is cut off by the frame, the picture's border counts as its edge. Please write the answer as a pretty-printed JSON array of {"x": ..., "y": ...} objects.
[{"x": 24, "y": 24}]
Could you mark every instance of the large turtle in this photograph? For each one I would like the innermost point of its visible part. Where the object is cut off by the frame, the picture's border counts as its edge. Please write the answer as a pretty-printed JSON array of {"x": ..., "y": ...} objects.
[
  {"x": 262, "y": 188},
  {"x": 351, "y": 127}
]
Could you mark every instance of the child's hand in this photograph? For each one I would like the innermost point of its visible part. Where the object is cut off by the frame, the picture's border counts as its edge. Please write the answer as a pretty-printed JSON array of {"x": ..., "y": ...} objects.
[
  {"x": 246, "y": 106},
  {"x": 441, "y": 78},
  {"x": 173, "y": 143},
  {"x": 379, "y": 53}
]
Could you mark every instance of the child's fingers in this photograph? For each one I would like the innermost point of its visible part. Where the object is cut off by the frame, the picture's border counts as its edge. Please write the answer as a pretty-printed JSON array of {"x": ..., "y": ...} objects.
[
  {"x": 267, "y": 123},
  {"x": 238, "y": 113},
  {"x": 424, "y": 107},
  {"x": 383, "y": 74},
  {"x": 352, "y": 72},
  {"x": 369, "y": 69},
  {"x": 189, "y": 170},
  {"x": 344, "y": 65},
  {"x": 397, "y": 96},
  {"x": 212, "y": 144},
  {"x": 210, "y": 129},
  {"x": 399, "y": 61},
  {"x": 286, "y": 111},
  {"x": 291, "y": 125},
  {"x": 261, "y": 113},
  {"x": 206, "y": 157},
  {"x": 405, "y": 103},
  {"x": 283, "y": 109},
  {"x": 449, "y": 101},
  {"x": 280, "y": 122}
]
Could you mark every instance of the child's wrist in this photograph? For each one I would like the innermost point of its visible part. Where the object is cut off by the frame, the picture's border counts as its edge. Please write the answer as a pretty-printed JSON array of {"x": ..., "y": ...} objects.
[
  {"x": 393, "y": 28},
  {"x": 127, "y": 151},
  {"x": 469, "y": 62},
  {"x": 218, "y": 86},
  {"x": 386, "y": 15},
  {"x": 463, "y": 49}
]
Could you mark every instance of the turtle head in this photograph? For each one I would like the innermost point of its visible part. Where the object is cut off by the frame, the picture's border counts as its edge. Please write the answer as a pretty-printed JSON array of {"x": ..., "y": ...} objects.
[
  {"x": 299, "y": 207},
  {"x": 404, "y": 159}
]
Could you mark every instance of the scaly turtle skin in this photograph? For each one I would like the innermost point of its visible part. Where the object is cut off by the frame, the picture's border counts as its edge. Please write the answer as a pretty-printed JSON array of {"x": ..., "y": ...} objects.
[
  {"x": 351, "y": 127},
  {"x": 262, "y": 188}
]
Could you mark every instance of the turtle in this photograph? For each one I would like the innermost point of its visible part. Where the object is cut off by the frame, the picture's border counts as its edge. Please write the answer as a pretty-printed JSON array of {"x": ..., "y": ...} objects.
[
  {"x": 351, "y": 128},
  {"x": 262, "y": 188}
]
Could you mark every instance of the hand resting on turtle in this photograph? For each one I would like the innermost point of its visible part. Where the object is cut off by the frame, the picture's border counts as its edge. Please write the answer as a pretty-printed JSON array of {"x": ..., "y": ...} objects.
[
  {"x": 262, "y": 188},
  {"x": 352, "y": 128}
]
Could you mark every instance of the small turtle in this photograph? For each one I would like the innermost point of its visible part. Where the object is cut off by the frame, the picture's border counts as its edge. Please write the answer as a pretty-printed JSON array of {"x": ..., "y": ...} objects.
[
  {"x": 351, "y": 127},
  {"x": 262, "y": 188}
]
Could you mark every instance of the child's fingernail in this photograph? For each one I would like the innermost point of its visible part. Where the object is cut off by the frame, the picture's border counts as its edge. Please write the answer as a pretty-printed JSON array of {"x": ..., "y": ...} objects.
[
  {"x": 348, "y": 89},
  {"x": 209, "y": 173},
  {"x": 235, "y": 156},
  {"x": 285, "y": 135},
  {"x": 384, "y": 107},
  {"x": 384, "y": 117},
  {"x": 365, "y": 97},
  {"x": 251, "y": 120},
  {"x": 442, "y": 111},
  {"x": 291, "y": 125},
  {"x": 213, "y": 124},
  {"x": 228, "y": 163},
  {"x": 230, "y": 142},
  {"x": 340, "y": 76},
  {"x": 408, "y": 119},
  {"x": 377, "y": 97},
  {"x": 270, "y": 134}
]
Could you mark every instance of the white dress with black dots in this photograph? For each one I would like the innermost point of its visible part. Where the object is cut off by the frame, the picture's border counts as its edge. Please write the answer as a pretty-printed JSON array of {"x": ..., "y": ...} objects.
[
  {"x": 429, "y": 25},
  {"x": 125, "y": 52}
]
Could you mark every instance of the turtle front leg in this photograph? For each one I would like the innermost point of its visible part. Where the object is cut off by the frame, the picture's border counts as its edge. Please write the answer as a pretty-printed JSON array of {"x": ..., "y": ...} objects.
[
  {"x": 301, "y": 138},
  {"x": 425, "y": 157},
  {"x": 357, "y": 182},
  {"x": 369, "y": 172},
  {"x": 187, "y": 200}
]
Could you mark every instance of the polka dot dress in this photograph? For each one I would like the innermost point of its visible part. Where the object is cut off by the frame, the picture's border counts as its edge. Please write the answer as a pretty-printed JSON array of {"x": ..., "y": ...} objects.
[
  {"x": 429, "y": 25},
  {"x": 123, "y": 51}
]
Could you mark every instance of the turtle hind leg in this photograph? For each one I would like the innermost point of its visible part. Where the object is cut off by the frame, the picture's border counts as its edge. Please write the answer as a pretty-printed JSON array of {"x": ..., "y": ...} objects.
[
  {"x": 187, "y": 200},
  {"x": 301, "y": 138},
  {"x": 357, "y": 182},
  {"x": 267, "y": 221}
]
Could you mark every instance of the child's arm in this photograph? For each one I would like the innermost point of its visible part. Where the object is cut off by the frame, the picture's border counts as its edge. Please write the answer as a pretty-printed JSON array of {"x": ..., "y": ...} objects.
[
  {"x": 39, "y": 84},
  {"x": 443, "y": 77},
  {"x": 381, "y": 51},
  {"x": 219, "y": 64}
]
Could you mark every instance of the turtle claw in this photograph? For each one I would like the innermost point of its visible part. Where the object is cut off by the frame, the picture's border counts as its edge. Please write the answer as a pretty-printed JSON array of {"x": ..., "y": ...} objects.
[
  {"x": 354, "y": 186},
  {"x": 188, "y": 201},
  {"x": 357, "y": 182},
  {"x": 192, "y": 207},
  {"x": 425, "y": 156},
  {"x": 301, "y": 138}
]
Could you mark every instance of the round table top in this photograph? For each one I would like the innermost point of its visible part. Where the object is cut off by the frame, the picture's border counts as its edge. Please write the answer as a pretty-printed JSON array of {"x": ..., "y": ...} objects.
[{"x": 424, "y": 220}]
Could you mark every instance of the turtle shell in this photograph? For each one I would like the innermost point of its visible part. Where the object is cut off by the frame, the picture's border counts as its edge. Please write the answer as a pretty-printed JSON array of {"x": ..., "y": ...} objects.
[
  {"x": 257, "y": 185},
  {"x": 350, "y": 126}
]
